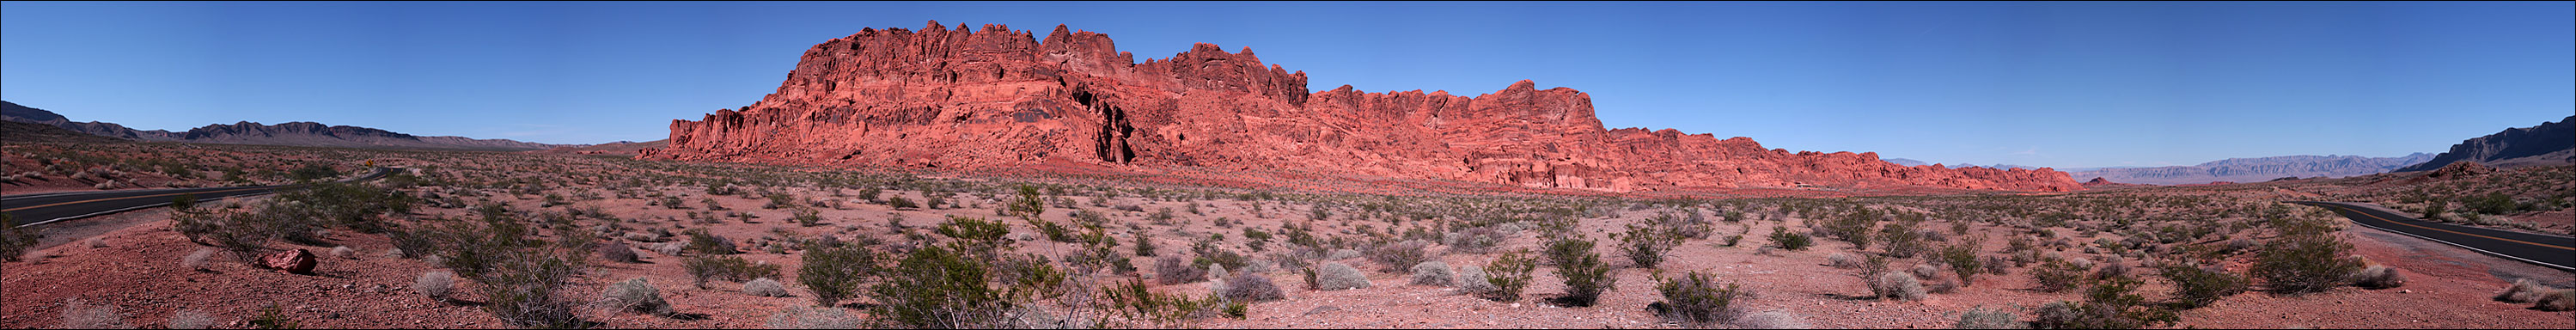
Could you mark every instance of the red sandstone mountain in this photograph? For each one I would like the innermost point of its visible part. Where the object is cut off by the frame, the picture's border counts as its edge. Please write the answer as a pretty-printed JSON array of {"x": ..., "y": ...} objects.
[{"x": 999, "y": 98}]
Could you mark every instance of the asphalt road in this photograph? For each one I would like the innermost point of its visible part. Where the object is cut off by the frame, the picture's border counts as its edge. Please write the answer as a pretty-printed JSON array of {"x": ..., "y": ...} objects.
[
  {"x": 2545, "y": 250},
  {"x": 34, "y": 209}
]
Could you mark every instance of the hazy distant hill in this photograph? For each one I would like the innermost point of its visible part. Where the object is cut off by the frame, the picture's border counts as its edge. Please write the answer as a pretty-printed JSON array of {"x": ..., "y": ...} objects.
[
  {"x": 1906, "y": 162},
  {"x": 308, "y": 134},
  {"x": 2548, "y": 144},
  {"x": 2254, "y": 169}
]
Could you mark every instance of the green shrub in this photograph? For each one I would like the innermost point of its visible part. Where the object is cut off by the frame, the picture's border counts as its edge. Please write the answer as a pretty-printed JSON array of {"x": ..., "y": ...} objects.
[
  {"x": 1509, "y": 274},
  {"x": 935, "y": 287},
  {"x": 1697, "y": 299},
  {"x": 702, "y": 241},
  {"x": 1586, "y": 276},
  {"x": 900, "y": 203},
  {"x": 834, "y": 273},
  {"x": 2198, "y": 287},
  {"x": 14, "y": 241},
  {"x": 1963, "y": 261},
  {"x": 2303, "y": 263},
  {"x": 2109, "y": 304},
  {"x": 1789, "y": 241},
  {"x": 807, "y": 217},
  {"x": 2057, "y": 275},
  {"x": 703, "y": 268},
  {"x": 1646, "y": 246}
]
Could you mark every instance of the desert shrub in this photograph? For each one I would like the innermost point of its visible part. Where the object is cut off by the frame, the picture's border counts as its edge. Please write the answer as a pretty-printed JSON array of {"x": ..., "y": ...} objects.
[
  {"x": 1982, "y": 318},
  {"x": 800, "y": 317},
  {"x": 1341, "y": 254},
  {"x": 807, "y": 217},
  {"x": 1770, "y": 320},
  {"x": 1697, "y": 299},
  {"x": 79, "y": 315},
  {"x": 2559, "y": 300},
  {"x": 1509, "y": 274},
  {"x": 2057, "y": 275},
  {"x": 197, "y": 260},
  {"x": 1398, "y": 256},
  {"x": 2109, "y": 304},
  {"x": 834, "y": 273},
  {"x": 343, "y": 252},
  {"x": 898, "y": 202},
  {"x": 1927, "y": 271},
  {"x": 348, "y": 205},
  {"x": 191, "y": 319},
  {"x": 1997, "y": 265},
  {"x": 522, "y": 289},
  {"x": 636, "y": 295},
  {"x": 1252, "y": 287},
  {"x": 435, "y": 284},
  {"x": 1901, "y": 240},
  {"x": 2522, "y": 291},
  {"x": 704, "y": 268},
  {"x": 1337, "y": 276},
  {"x": 2303, "y": 263},
  {"x": 2112, "y": 269},
  {"x": 1169, "y": 270},
  {"x": 1963, "y": 261},
  {"x": 1586, "y": 276},
  {"x": 764, "y": 287},
  {"x": 1645, "y": 246},
  {"x": 1433, "y": 273},
  {"x": 2197, "y": 287},
  {"x": 1786, "y": 240},
  {"x": 1473, "y": 240},
  {"x": 1896, "y": 286},
  {"x": 702, "y": 241},
  {"x": 1471, "y": 280},
  {"x": 270, "y": 317},
  {"x": 1841, "y": 260},
  {"x": 936, "y": 287},
  {"x": 2376, "y": 277},
  {"x": 619, "y": 252},
  {"x": 1144, "y": 244}
]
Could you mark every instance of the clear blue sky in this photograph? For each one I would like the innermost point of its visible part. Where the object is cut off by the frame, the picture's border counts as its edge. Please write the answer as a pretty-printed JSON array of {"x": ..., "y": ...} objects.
[{"x": 2042, "y": 84}]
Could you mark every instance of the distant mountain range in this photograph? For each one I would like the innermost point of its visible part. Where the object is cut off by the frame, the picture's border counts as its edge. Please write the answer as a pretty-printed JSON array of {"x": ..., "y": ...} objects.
[
  {"x": 2253, "y": 169},
  {"x": 2551, "y": 143},
  {"x": 309, "y": 134}
]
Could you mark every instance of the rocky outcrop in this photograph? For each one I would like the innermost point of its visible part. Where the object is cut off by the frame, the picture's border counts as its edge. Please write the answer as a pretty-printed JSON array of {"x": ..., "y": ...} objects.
[
  {"x": 2549, "y": 143},
  {"x": 297, "y": 261},
  {"x": 2461, "y": 169},
  {"x": 993, "y": 98},
  {"x": 308, "y": 134},
  {"x": 2256, "y": 169}
]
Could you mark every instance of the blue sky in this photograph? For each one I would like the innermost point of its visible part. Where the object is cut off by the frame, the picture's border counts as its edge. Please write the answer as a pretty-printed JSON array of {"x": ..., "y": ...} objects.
[{"x": 2042, "y": 84}]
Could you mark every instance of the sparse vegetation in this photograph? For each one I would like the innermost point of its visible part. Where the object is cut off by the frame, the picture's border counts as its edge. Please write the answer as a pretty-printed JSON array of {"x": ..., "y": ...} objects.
[
  {"x": 1697, "y": 299},
  {"x": 2303, "y": 263},
  {"x": 637, "y": 295},
  {"x": 1586, "y": 276}
]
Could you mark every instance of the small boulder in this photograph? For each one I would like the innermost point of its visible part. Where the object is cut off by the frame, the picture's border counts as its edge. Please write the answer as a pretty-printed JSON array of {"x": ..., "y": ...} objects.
[{"x": 297, "y": 261}]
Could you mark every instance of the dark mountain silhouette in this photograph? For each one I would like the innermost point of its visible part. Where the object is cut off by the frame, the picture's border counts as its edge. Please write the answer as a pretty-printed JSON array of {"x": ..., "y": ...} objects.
[
  {"x": 307, "y": 134},
  {"x": 2548, "y": 144}
]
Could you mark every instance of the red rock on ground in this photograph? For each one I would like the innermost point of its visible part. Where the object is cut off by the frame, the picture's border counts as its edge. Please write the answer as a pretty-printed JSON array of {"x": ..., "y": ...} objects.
[
  {"x": 295, "y": 261},
  {"x": 999, "y": 98}
]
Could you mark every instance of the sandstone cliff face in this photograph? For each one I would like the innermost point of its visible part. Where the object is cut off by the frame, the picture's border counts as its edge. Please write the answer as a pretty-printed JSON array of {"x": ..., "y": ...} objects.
[{"x": 988, "y": 98}]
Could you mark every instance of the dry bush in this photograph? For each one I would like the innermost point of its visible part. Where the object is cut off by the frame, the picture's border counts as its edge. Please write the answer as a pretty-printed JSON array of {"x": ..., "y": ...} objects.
[
  {"x": 1771, "y": 320},
  {"x": 1896, "y": 286},
  {"x": 1471, "y": 280},
  {"x": 191, "y": 319},
  {"x": 1842, "y": 260},
  {"x": 343, "y": 252},
  {"x": 2112, "y": 269},
  {"x": 197, "y": 260},
  {"x": 636, "y": 295},
  {"x": 435, "y": 284},
  {"x": 800, "y": 317},
  {"x": 1172, "y": 269},
  {"x": 2376, "y": 277},
  {"x": 2556, "y": 301},
  {"x": 764, "y": 287},
  {"x": 1396, "y": 257},
  {"x": 1982, "y": 318},
  {"x": 2522, "y": 291},
  {"x": 1252, "y": 287},
  {"x": 1337, "y": 276},
  {"x": 79, "y": 315},
  {"x": 619, "y": 252},
  {"x": 1434, "y": 273}
]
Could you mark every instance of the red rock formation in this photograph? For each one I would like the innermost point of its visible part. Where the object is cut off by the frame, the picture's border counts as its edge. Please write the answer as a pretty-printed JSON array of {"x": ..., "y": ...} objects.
[
  {"x": 295, "y": 261},
  {"x": 997, "y": 98}
]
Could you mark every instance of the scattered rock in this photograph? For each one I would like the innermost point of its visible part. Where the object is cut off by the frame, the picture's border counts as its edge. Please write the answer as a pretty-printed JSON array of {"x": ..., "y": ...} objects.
[{"x": 297, "y": 261}]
